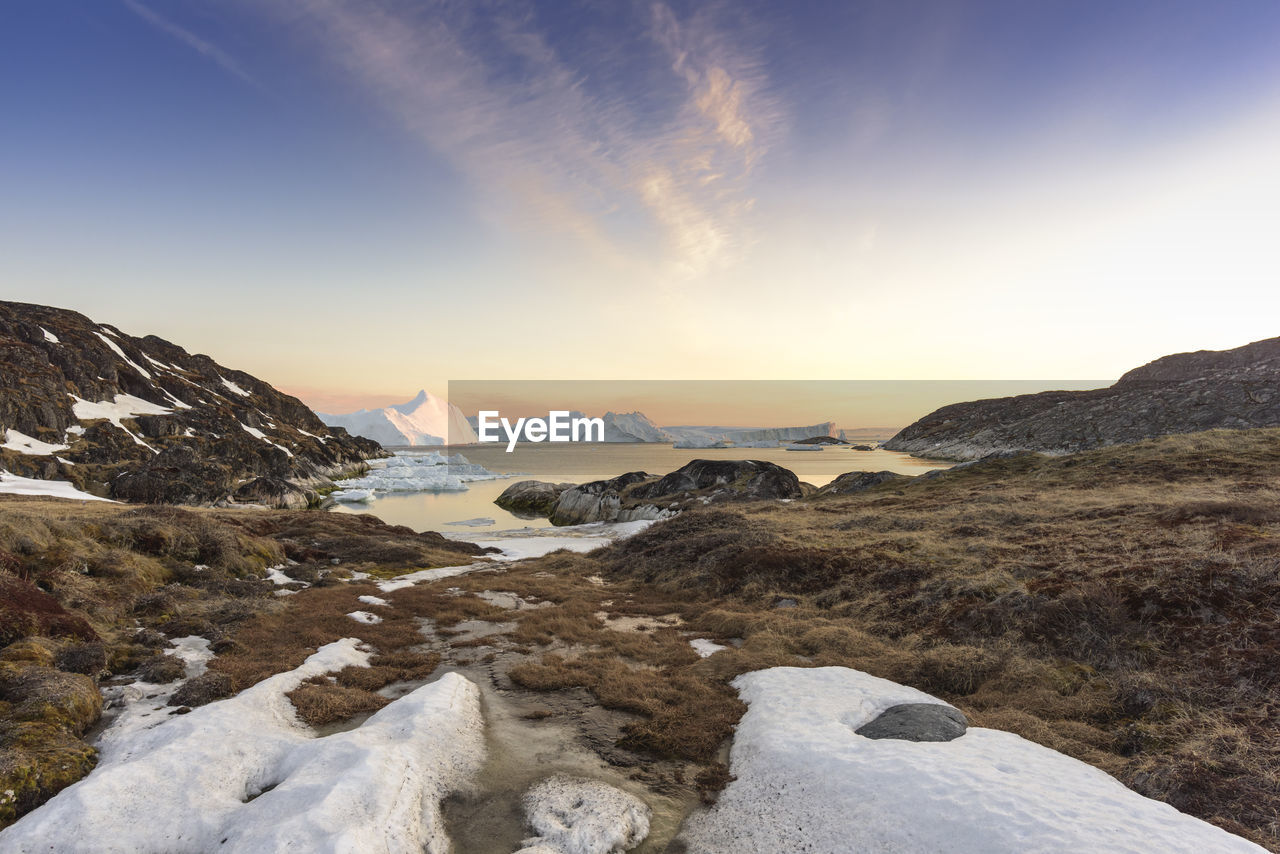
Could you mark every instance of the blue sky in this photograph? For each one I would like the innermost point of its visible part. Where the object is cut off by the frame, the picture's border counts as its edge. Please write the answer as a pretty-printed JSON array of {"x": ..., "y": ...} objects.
[{"x": 357, "y": 199}]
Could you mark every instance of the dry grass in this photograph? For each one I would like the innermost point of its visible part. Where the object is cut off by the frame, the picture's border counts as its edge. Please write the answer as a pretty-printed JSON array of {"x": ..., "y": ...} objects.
[{"x": 319, "y": 702}]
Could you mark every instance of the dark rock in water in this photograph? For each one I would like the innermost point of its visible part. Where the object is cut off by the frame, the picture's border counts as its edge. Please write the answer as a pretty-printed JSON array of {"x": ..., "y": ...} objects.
[
  {"x": 1184, "y": 393},
  {"x": 531, "y": 498},
  {"x": 141, "y": 419},
  {"x": 740, "y": 478},
  {"x": 861, "y": 448},
  {"x": 859, "y": 481},
  {"x": 205, "y": 688},
  {"x": 597, "y": 501},
  {"x": 820, "y": 440},
  {"x": 917, "y": 722},
  {"x": 637, "y": 495}
]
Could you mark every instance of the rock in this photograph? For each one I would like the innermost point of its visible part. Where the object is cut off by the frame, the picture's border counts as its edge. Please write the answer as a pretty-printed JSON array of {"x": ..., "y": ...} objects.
[
  {"x": 917, "y": 722},
  {"x": 859, "y": 481},
  {"x": 820, "y": 440},
  {"x": 275, "y": 492},
  {"x": 1184, "y": 393},
  {"x": 739, "y": 479},
  {"x": 861, "y": 448},
  {"x": 531, "y": 498},
  {"x": 598, "y": 501},
  {"x": 154, "y": 423},
  {"x": 205, "y": 688},
  {"x": 786, "y": 602}
]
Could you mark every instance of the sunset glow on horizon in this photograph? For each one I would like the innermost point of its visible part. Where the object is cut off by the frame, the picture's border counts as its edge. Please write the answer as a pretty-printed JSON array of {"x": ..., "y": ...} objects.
[{"x": 353, "y": 201}]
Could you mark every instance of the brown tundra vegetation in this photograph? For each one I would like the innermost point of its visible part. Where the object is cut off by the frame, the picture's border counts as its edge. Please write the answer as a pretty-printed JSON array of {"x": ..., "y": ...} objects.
[{"x": 1120, "y": 605}]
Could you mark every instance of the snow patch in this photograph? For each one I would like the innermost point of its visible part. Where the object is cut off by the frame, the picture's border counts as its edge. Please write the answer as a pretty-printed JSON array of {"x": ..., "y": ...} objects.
[
  {"x": 365, "y": 617},
  {"x": 705, "y": 647},
  {"x": 116, "y": 349},
  {"x": 233, "y": 387},
  {"x": 123, "y": 406},
  {"x": 805, "y": 781},
  {"x": 373, "y": 600},
  {"x": 143, "y": 705},
  {"x": 245, "y": 775},
  {"x": 49, "y": 336},
  {"x": 258, "y": 434},
  {"x": 24, "y": 444},
  {"x": 12, "y": 484},
  {"x": 573, "y": 815}
]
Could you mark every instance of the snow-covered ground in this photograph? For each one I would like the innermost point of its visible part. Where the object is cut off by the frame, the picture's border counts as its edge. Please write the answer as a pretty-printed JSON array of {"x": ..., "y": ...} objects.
[
  {"x": 24, "y": 444},
  {"x": 14, "y": 485},
  {"x": 414, "y": 471},
  {"x": 245, "y": 775},
  {"x": 805, "y": 781}
]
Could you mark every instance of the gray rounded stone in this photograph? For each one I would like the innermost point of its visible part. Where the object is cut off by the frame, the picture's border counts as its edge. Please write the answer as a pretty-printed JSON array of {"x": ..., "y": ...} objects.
[{"x": 917, "y": 722}]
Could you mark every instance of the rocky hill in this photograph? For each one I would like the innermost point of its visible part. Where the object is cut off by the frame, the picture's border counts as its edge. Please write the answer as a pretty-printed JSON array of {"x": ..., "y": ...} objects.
[
  {"x": 141, "y": 419},
  {"x": 1183, "y": 393}
]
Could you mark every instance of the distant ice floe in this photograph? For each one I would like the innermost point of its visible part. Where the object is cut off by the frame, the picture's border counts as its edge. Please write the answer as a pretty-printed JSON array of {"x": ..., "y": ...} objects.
[
  {"x": 413, "y": 471},
  {"x": 804, "y": 779}
]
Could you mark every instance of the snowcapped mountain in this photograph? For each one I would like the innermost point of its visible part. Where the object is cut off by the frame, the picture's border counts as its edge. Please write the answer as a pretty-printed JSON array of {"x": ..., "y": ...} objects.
[{"x": 425, "y": 420}]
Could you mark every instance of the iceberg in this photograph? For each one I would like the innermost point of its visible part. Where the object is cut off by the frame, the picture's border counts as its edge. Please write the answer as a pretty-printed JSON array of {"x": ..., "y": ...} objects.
[{"x": 425, "y": 420}]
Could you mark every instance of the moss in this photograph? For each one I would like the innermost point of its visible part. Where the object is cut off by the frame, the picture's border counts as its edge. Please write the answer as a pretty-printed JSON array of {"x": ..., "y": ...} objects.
[{"x": 37, "y": 760}]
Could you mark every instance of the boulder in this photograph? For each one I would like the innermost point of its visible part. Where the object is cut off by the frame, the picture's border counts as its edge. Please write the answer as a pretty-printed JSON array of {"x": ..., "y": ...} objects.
[
  {"x": 738, "y": 479},
  {"x": 531, "y": 498},
  {"x": 597, "y": 501},
  {"x": 917, "y": 722}
]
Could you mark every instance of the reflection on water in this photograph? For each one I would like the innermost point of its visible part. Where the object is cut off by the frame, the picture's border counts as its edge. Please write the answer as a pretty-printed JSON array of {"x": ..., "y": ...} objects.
[{"x": 580, "y": 463}]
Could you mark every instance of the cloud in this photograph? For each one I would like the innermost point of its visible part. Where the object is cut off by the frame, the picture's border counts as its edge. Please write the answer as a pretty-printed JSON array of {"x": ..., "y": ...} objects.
[
  {"x": 555, "y": 136},
  {"x": 228, "y": 63}
]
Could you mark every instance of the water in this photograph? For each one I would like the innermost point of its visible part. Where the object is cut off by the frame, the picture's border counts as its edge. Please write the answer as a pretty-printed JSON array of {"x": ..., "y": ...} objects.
[{"x": 581, "y": 462}]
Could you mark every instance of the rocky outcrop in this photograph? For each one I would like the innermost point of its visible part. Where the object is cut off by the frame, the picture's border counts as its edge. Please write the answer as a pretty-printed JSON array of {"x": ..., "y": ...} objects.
[
  {"x": 820, "y": 440},
  {"x": 141, "y": 419},
  {"x": 533, "y": 499},
  {"x": 859, "y": 481},
  {"x": 1184, "y": 393},
  {"x": 598, "y": 501},
  {"x": 637, "y": 495},
  {"x": 736, "y": 479}
]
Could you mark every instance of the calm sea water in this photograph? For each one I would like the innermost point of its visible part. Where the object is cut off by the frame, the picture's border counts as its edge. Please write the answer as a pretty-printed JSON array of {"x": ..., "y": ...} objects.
[{"x": 580, "y": 463}]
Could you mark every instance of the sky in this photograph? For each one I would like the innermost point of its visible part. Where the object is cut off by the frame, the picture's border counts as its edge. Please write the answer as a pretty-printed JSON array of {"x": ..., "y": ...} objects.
[{"x": 355, "y": 199}]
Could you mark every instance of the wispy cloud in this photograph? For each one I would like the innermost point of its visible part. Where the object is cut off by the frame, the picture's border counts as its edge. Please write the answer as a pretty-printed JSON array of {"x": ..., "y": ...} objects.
[
  {"x": 204, "y": 48},
  {"x": 549, "y": 139}
]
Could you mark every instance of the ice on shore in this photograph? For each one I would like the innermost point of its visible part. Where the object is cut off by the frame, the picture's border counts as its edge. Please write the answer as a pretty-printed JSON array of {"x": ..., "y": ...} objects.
[
  {"x": 806, "y": 781},
  {"x": 571, "y": 815},
  {"x": 245, "y": 775},
  {"x": 411, "y": 471}
]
